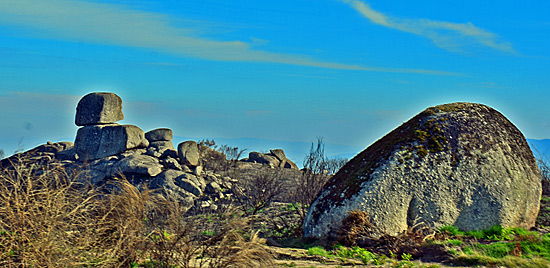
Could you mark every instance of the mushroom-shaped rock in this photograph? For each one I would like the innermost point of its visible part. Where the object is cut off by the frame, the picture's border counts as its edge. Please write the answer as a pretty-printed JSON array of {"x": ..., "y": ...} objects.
[
  {"x": 98, "y": 141},
  {"x": 188, "y": 152},
  {"x": 460, "y": 164},
  {"x": 99, "y": 108}
]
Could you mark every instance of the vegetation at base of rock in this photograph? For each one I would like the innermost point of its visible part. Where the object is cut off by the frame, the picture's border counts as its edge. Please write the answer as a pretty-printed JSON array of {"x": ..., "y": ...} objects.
[{"x": 49, "y": 219}]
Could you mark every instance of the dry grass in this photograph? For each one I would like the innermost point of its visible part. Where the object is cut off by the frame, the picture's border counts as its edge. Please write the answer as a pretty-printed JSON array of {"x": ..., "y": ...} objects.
[{"x": 49, "y": 219}]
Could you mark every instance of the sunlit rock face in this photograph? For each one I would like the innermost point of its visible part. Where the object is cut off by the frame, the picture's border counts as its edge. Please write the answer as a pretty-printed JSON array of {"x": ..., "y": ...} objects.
[{"x": 460, "y": 164}]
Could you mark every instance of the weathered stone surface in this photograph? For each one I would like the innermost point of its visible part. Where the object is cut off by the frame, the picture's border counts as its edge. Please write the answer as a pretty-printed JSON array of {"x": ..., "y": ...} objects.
[
  {"x": 279, "y": 153},
  {"x": 96, "y": 171},
  {"x": 197, "y": 171},
  {"x": 166, "y": 183},
  {"x": 176, "y": 181},
  {"x": 266, "y": 159},
  {"x": 99, "y": 108},
  {"x": 170, "y": 163},
  {"x": 159, "y": 134},
  {"x": 98, "y": 141},
  {"x": 275, "y": 158},
  {"x": 289, "y": 164},
  {"x": 212, "y": 188},
  {"x": 188, "y": 153},
  {"x": 162, "y": 146},
  {"x": 458, "y": 164},
  {"x": 139, "y": 164}
]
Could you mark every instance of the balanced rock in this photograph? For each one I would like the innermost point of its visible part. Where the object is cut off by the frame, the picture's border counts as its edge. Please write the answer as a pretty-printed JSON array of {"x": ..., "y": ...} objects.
[
  {"x": 460, "y": 164},
  {"x": 159, "y": 134},
  {"x": 188, "y": 153},
  {"x": 99, "y": 141},
  {"x": 99, "y": 108}
]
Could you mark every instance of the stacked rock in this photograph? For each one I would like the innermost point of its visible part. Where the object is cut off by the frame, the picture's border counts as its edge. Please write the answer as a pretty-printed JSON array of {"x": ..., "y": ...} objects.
[
  {"x": 160, "y": 143},
  {"x": 100, "y": 136}
]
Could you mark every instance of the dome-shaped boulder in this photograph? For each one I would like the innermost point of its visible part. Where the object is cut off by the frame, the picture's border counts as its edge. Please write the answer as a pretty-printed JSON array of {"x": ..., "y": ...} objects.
[{"x": 460, "y": 164}]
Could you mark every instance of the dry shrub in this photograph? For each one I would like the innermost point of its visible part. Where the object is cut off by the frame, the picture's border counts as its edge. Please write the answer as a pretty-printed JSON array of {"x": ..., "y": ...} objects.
[
  {"x": 357, "y": 230},
  {"x": 219, "y": 158},
  {"x": 229, "y": 248},
  {"x": 213, "y": 240},
  {"x": 49, "y": 219},
  {"x": 355, "y": 226},
  {"x": 254, "y": 193},
  {"x": 318, "y": 169}
]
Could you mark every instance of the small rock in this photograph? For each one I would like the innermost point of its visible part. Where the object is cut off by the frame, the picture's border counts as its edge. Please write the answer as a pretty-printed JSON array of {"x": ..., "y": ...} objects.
[
  {"x": 159, "y": 134},
  {"x": 171, "y": 163},
  {"x": 212, "y": 188},
  {"x": 198, "y": 171},
  {"x": 139, "y": 164},
  {"x": 161, "y": 146},
  {"x": 188, "y": 153},
  {"x": 173, "y": 178}
]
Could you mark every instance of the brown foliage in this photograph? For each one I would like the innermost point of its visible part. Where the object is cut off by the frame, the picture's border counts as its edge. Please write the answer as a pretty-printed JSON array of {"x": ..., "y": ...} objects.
[
  {"x": 356, "y": 230},
  {"x": 49, "y": 219}
]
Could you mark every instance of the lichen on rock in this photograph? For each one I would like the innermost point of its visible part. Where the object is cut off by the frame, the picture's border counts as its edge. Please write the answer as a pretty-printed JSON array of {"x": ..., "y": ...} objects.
[{"x": 461, "y": 164}]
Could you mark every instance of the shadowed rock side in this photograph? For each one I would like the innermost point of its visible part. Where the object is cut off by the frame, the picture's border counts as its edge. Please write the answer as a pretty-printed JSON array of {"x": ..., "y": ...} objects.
[{"x": 460, "y": 164}]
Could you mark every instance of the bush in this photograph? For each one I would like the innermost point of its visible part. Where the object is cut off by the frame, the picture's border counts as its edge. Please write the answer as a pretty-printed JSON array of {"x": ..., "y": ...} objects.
[
  {"x": 50, "y": 219},
  {"x": 254, "y": 193},
  {"x": 316, "y": 172}
]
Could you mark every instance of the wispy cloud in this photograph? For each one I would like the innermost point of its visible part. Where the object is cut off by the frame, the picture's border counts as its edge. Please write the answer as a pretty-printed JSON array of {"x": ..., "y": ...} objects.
[
  {"x": 454, "y": 37},
  {"x": 114, "y": 24}
]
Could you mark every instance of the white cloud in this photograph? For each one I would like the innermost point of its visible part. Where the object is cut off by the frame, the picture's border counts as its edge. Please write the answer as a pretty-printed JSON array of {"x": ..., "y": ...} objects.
[
  {"x": 447, "y": 35},
  {"x": 113, "y": 24}
]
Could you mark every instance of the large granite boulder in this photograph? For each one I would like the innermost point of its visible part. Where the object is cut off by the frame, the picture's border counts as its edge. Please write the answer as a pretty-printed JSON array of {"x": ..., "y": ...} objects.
[
  {"x": 99, "y": 141},
  {"x": 99, "y": 108},
  {"x": 460, "y": 164}
]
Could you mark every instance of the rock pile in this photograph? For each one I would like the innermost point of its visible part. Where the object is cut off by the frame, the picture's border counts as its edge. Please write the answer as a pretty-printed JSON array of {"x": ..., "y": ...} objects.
[
  {"x": 460, "y": 164},
  {"x": 104, "y": 150},
  {"x": 275, "y": 158}
]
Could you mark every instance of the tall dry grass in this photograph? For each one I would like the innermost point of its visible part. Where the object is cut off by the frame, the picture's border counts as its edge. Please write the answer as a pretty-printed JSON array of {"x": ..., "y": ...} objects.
[{"x": 50, "y": 219}]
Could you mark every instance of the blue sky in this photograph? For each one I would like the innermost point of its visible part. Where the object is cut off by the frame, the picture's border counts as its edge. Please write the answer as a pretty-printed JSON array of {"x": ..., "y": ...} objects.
[{"x": 289, "y": 70}]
